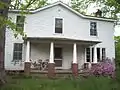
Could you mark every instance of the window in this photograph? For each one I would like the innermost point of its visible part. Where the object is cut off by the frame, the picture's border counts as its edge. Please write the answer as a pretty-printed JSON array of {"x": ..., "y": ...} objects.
[
  {"x": 98, "y": 54},
  {"x": 20, "y": 22},
  {"x": 58, "y": 25},
  {"x": 17, "y": 53},
  {"x": 93, "y": 28},
  {"x": 58, "y": 56},
  {"x": 88, "y": 54},
  {"x": 103, "y": 53},
  {"x": 92, "y": 54}
]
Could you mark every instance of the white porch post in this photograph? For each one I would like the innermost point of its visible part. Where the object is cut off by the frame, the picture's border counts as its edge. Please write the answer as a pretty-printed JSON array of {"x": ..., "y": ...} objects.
[
  {"x": 74, "y": 53},
  {"x": 95, "y": 55},
  {"x": 51, "y": 53},
  {"x": 27, "y": 64},
  {"x": 51, "y": 65},
  {"x": 89, "y": 65},
  {"x": 28, "y": 52},
  {"x": 75, "y": 64}
]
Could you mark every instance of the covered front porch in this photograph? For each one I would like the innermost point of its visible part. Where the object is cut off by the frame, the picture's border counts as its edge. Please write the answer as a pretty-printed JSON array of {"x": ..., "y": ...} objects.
[{"x": 62, "y": 55}]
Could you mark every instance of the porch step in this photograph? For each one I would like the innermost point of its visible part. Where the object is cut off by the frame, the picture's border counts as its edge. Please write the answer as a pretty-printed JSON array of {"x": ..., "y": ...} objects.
[{"x": 56, "y": 72}]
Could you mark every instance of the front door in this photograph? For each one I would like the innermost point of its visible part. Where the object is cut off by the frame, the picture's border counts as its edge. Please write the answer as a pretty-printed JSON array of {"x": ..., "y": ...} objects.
[{"x": 58, "y": 56}]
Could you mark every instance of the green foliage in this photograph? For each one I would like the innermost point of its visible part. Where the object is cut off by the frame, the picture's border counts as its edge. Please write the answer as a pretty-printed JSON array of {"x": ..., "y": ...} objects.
[
  {"x": 28, "y": 4},
  {"x": 17, "y": 4},
  {"x": 109, "y": 7},
  {"x": 80, "y": 5},
  {"x": 117, "y": 49},
  {"x": 33, "y": 83}
]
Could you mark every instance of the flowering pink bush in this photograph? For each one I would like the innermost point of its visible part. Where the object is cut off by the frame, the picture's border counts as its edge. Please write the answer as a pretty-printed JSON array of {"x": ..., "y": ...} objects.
[{"x": 105, "y": 68}]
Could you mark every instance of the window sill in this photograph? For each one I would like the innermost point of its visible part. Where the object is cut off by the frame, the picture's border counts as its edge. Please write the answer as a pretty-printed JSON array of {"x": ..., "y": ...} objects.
[{"x": 57, "y": 33}]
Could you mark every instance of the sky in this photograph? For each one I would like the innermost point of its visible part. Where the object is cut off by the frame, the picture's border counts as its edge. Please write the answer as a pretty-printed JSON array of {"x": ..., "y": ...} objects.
[{"x": 90, "y": 10}]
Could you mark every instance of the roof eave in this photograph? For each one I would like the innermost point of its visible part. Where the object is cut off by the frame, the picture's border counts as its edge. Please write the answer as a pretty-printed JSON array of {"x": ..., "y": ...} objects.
[{"x": 66, "y": 6}]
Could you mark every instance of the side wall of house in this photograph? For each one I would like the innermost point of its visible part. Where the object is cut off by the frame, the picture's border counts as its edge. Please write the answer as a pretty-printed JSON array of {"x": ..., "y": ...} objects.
[{"x": 9, "y": 44}]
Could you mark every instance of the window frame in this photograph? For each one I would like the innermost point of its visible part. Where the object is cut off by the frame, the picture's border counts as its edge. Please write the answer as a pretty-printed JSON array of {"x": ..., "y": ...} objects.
[
  {"x": 103, "y": 55},
  {"x": 86, "y": 55},
  {"x": 55, "y": 25},
  {"x": 17, "y": 51},
  {"x": 19, "y": 24},
  {"x": 93, "y": 32}
]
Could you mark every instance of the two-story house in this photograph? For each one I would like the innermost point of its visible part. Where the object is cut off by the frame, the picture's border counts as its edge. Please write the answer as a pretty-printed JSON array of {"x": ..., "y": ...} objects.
[{"x": 58, "y": 34}]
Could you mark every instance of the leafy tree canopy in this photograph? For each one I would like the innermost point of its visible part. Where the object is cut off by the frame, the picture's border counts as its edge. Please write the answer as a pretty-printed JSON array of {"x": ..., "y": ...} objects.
[
  {"x": 109, "y": 7},
  {"x": 21, "y": 5}
]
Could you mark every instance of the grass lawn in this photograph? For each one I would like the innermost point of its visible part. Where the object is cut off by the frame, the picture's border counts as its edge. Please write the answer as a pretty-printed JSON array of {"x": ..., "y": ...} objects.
[{"x": 37, "y": 83}]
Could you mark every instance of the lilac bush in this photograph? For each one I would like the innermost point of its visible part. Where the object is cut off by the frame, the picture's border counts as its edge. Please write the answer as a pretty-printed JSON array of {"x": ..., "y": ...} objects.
[{"x": 104, "y": 68}]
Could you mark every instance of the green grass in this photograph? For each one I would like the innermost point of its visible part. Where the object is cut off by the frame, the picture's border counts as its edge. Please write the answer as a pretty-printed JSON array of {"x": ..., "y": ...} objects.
[{"x": 35, "y": 83}]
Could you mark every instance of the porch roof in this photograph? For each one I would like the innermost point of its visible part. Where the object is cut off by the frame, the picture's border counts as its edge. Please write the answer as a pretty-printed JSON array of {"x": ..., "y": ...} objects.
[{"x": 55, "y": 39}]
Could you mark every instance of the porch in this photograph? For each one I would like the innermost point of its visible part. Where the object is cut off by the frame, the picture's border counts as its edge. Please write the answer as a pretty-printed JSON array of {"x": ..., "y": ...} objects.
[{"x": 56, "y": 56}]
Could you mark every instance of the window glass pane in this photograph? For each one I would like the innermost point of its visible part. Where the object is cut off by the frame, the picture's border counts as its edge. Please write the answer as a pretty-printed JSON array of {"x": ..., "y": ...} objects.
[
  {"x": 20, "y": 19},
  {"x": 88, "y": 54},
  {"x": 103, "y": 53},
  {"x": 93, "y": 28},
  {"x": 20, "y": 22},
  {"x": 17, "y": 53},
  {"x": 98, "y": 54},
  {"x": 58, "y": 30},
  {"x": 92, "y": 54},
  {"x": 58, "y": 25},
  {"x": 15, "y": 56}
]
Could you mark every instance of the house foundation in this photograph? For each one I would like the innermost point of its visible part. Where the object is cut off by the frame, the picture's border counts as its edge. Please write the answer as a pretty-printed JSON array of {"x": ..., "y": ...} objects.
[
  {"x": 27, "y": 68},
  {"x": 51, "y": 70},
  {"x": 75, "y": 69}
]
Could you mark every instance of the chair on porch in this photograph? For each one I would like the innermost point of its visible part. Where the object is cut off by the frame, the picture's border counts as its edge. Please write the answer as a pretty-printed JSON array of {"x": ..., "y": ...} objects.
[
  {"x": 37, "y": 64},
  {"x": 45, "y": 64},
  {"x": 40, "y": 64}
]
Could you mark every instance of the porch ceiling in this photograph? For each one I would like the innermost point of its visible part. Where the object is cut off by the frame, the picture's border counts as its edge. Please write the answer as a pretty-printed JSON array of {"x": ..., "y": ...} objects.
[{"x": 62, "y": 40}]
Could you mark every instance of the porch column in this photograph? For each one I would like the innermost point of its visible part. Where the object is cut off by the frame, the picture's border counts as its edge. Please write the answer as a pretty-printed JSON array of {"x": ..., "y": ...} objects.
[
  {"x": 51, "y": 65},
  {"x": 27, "y": 64},
  {"x": 75, "y": 64},
  {"x": 95, "y": 55},
  {"x": 90, "y": 63}
]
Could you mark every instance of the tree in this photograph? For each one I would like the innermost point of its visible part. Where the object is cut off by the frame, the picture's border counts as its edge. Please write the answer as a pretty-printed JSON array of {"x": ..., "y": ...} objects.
[
  {"x": 109, "y": 8},
  {"x": 117, "y": 57},
  {"x": 27, "y": 4},
  {"x": 3, "y": 15},
  {"x": 6, "y": 22}
]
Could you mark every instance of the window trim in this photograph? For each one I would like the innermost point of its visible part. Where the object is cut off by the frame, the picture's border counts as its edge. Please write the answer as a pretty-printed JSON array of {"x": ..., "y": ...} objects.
[
  {"x": 17, "y": 60},
  {"x": 23, "y": 24},
  {"x": 96, "y": 29},
  {"x": 104, "y": 53},
  {"x": 62, "y": 26},
  {"x": 93, "y": 55},
  {"x": 86, "y": 55}
]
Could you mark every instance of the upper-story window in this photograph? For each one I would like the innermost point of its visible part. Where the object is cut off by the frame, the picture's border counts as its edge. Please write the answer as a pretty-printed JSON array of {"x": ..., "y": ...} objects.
[
  {"x": 58, "y": 25},
  {"x": 20, "y": 22},
  {"x": 93, "y": 28}
]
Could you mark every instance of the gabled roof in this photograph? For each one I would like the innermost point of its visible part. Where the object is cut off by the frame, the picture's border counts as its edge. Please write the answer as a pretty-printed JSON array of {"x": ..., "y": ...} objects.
[{"x": 67, "y": 7}]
